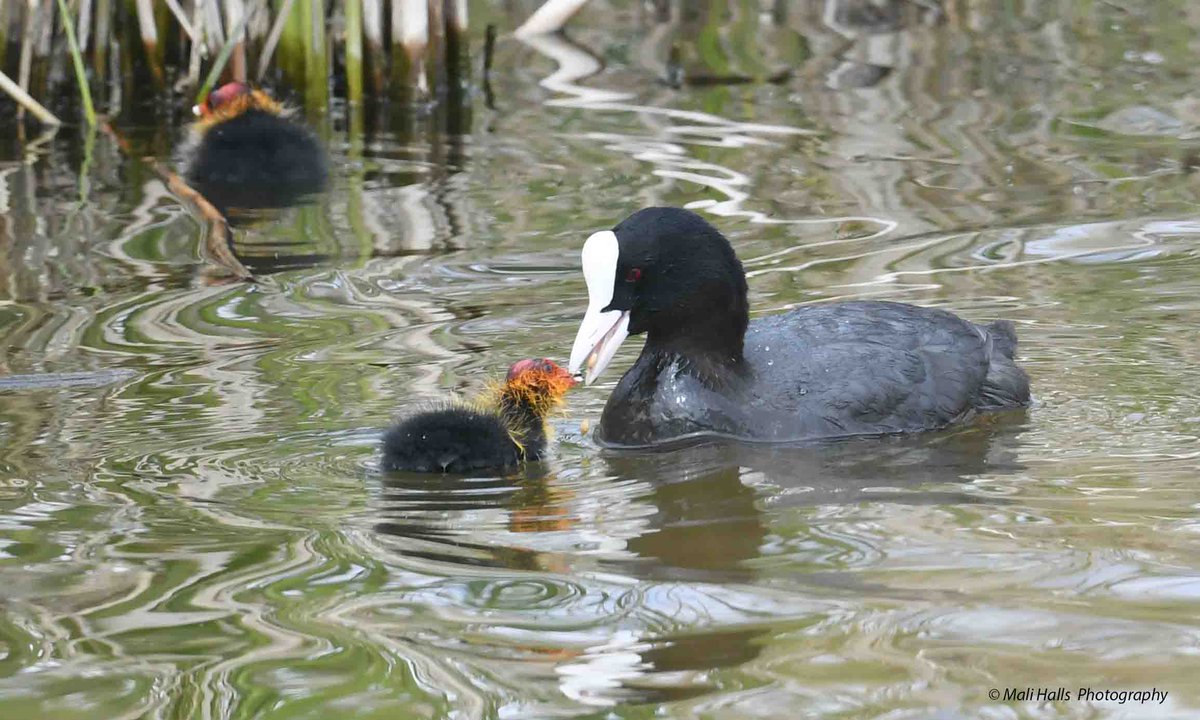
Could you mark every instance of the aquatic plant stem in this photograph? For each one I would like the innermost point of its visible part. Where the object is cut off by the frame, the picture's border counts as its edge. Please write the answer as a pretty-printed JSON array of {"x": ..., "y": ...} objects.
[
  {"x": 316, "y": 75},
  {"x": 25, "y": 63},
  {"x": 236, "y": 17},
  {"x": 264, "y": 61},
  {"x": 25, "y": 101},
  {"x": 85, "y": 167},
  {"x": 181, "y": 18},
  {"x": 356, "y": 184},
  {"x": 410, "y": 39},
  {"x": 222, "y": 58},
  {"x": 373, "y": 36},
  {"x": 100, "y": 41},
  {"x": 85, "y": 24},
  {"x": 354, "y": 51},
  {"x": 197, "y": 51},
  {"x": 85, "y": 92},
  {"x": 149, "y": 34}
]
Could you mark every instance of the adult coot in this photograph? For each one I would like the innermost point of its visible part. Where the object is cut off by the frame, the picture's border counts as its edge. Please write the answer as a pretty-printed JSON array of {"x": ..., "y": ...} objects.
[
  {"x": 245, "y": 151},
  {"x": 498, "y": 431},
  {"x": 820, "y": 371}
]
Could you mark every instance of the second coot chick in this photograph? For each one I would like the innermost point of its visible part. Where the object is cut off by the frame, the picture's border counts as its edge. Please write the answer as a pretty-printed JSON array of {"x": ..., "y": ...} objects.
[
  {"x": 819, "y": 371},
  {"x": 499, "y": 431},
  {"x": 247, "y": 152}
]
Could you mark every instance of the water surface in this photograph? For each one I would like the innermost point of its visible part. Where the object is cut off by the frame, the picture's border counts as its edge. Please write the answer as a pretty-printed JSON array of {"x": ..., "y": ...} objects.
[{"x": 192, "y": 525}]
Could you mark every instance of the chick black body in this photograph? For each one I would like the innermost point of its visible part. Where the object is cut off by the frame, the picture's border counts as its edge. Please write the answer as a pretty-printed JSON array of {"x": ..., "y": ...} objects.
[
  {"x": 247, "y": 153},
  {"x": 257, "y": 160},
  {"x": 460, "y": 440},
  {"x": 497, "y": 432}
]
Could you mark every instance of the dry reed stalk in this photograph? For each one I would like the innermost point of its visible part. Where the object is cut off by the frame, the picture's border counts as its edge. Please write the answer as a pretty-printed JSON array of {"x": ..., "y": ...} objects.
[
  {"x": 85, "y": 24},
  {"x": 235, "y": 19},
  {"x": 260, "y": 22},
  {"x": 25, "y": 64},
  {"x": 181, "y": 18},
  {"x": 214, "y": 73},
  {"x": 456, "y": 15},
  {"x": 217, "y": 243},
  {"x": 149, "y": 32},
  {"x": 46, "y": 30},
  {"x": 100, "y": 46},
  {"x": 26, "y": 102},
  {"x": 435, "y": 71},
  {"x": 354, "y": 53},
  {"x": 192, "y": 79},
  {"x": 214, "y": 35},
  {"x": 264, "y": 60},
  {"x": 373, "y": 33},
  {"x": 456, "y": 47},
  {"x": 4, "y": 21},
  {"x": 410, "y": 38},
  {"x": 550, "y": 17},
  {"x": 85, "y": 93}
]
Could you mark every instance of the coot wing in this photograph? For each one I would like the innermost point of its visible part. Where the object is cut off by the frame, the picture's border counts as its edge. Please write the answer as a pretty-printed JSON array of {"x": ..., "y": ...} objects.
[{"x": 862, "y": 368}]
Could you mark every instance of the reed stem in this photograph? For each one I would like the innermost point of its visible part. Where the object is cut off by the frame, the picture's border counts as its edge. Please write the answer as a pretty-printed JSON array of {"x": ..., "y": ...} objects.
[
  {"x": 149, "y": 33},
  {"x": 222, "y": 58},
  {"x": 181, "y": 18},
  {"x": 373, "y": 36},
  {"x": 85, "y": 93},
  {"x": 100, "y": 45},
  {"x": 316, "y": 75},
  {"x": 236, "y": 17},
  {"x": 354, "y": 51},
  {"x": 25, "y": 64},
  {"x": 85, "y": 23},
  {"x": 410, "y": 39},
  {"x": 26, "y": 102},
  {"x": 264, "y": 61}
]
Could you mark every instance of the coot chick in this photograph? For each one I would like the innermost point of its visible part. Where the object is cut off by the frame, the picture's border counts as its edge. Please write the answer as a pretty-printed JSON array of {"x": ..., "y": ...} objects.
[
  {"x": 820, "y": 371},
  {"x": 245, "y": 151},
  {"x": 498, "y": 431}
]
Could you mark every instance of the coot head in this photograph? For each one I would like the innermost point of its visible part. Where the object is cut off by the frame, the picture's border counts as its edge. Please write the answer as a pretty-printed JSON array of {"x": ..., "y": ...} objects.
[
  {"x": 233, "y": 99},
  {"x": 538, "y": 384},
  {"x": 221, "y": 96},
  {"x": 667, "y": 273}
]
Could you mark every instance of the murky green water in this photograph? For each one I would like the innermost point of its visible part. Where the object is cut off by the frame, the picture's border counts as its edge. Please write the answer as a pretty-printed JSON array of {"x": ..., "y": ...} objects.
[{"x": 190, "y": 520}]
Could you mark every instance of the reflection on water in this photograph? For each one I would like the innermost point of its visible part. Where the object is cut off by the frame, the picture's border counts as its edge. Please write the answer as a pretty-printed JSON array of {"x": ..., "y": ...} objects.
[{"x": 192, "y": 525}]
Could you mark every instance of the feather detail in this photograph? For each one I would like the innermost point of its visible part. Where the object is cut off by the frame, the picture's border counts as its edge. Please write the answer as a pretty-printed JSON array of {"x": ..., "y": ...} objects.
[{"x": 253, "y": 100}]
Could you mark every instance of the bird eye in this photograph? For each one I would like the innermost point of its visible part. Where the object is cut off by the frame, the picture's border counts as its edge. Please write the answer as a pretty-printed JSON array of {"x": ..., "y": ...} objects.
[{"x": 633, "y": 275}]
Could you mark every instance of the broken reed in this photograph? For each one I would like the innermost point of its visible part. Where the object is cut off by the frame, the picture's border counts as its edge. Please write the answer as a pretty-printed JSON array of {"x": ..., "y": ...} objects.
[{"x": 130, "y": 48}]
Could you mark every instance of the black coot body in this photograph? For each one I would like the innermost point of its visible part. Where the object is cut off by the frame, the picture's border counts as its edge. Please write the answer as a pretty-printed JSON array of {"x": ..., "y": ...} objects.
[
  {"x": 458, "y": 440},
  {"x": 821, "y": 371}
]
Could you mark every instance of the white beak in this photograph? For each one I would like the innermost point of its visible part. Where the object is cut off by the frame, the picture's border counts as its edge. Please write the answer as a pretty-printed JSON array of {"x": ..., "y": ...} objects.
[{"x": 600, "y": 333}]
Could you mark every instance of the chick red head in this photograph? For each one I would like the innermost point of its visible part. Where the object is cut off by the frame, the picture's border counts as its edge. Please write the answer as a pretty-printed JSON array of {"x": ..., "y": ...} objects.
[
  {"x": 539, "y": 384},
  {"x": 541, "y": 366},
  {"x": 221, "y": 96}
]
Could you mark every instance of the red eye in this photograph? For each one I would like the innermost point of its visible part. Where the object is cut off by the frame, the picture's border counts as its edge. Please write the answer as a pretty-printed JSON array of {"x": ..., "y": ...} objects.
[{"x": 633, "y": 275}]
